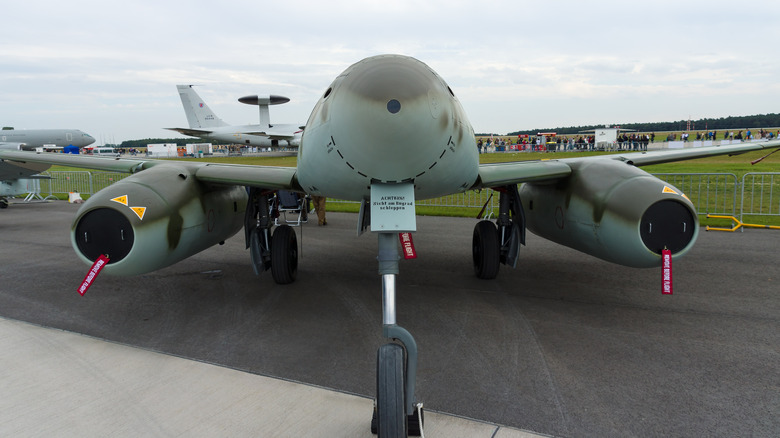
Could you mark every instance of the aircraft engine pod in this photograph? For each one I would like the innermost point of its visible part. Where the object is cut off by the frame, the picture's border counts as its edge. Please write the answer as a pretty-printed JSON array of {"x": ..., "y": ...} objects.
[
  {"x": 613, "y": 211},
  {"x": 155, "y": 218}
]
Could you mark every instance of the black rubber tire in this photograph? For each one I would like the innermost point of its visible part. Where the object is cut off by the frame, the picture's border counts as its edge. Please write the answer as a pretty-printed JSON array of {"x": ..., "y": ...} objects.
[
  {"x": 486, "y": 250},
  {"x": 284, "y": 255},
  {"x": 390, "y": 392}
]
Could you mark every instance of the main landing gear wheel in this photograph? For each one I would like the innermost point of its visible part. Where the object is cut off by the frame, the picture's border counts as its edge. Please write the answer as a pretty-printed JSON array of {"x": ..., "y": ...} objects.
[
  {"x": 284, "y": 255},
  {"x": 486, "y": 250},
  {"x": 390, "y": 392}
]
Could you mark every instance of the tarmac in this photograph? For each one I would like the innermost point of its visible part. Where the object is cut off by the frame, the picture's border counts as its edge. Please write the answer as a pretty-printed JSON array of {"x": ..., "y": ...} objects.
[
  {"x": 564, "y": 345},
  {"x": 58, "y": 383}
]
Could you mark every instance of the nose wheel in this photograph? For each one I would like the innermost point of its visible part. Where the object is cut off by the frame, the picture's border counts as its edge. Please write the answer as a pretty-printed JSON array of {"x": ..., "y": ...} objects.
[{"x": 390, "y": 392}]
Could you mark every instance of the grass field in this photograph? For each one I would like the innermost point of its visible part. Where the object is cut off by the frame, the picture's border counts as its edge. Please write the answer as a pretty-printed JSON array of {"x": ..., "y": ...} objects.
[
  {"x": 737, "y": 165},
  {"x": 721, "y": 164}
]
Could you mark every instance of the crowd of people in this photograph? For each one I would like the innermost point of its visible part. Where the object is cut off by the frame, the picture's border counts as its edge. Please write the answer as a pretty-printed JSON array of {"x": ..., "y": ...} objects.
[
  {"x": 727, "y": 135},
  {"x": 625, "y": 141},
  {"x": 562, "y": 143}
]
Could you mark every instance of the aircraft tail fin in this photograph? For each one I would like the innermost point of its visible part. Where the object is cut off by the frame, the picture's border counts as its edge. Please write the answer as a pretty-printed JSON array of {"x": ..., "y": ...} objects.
[{"x": 199, "y": 115}]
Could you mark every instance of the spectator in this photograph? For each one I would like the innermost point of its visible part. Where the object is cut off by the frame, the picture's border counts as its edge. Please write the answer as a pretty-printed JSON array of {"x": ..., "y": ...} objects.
[{"x": 319, "y": 207}]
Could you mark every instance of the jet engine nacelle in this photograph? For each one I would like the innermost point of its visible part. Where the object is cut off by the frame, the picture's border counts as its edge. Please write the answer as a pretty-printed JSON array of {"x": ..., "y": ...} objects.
[
  {"x": 613, "y": 211},
  {"x": 155, "y": 218}
]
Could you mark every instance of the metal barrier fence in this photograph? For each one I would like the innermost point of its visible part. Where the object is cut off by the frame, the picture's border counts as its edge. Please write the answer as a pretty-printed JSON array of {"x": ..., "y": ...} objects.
[
  {"x": 711, "y": 193},
  {"x": 760, "y": 194},
  {"x": 755, "y": 194},
  {"x": 83, "y": 182}
]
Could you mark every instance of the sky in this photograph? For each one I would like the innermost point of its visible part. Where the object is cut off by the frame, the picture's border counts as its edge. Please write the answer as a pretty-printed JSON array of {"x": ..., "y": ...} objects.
[{"x": 110, "y": 68}]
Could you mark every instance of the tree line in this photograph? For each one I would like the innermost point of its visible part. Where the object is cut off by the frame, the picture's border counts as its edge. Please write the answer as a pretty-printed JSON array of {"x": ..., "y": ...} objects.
[{"x": 732, "y": 122}]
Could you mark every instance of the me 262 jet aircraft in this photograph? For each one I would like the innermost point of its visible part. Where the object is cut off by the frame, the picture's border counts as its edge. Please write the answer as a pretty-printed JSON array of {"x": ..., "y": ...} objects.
[{"x": 386, "y": 132}]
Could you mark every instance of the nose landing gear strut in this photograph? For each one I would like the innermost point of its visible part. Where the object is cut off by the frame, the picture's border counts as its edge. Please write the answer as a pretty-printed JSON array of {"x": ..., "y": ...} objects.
[{"x": 396, "y": 414}]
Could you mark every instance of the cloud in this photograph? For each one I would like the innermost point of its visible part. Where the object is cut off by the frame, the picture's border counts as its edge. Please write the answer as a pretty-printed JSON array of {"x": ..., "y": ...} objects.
[{"x": 111, "y": 68}]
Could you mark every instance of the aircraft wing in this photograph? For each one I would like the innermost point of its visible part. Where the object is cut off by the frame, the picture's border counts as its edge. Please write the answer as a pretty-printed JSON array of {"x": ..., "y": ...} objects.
[
  {"x": 270, "y": 135},
  {"x": 672, "y": 155},
  {"x": 99, "y": 163},
  {"x": 500, "y": 174},
  {"x": 271, "y": 177},
  {"x": 286, "y": 135},
  {"x": 203, "y": 132},
  {"x": 191, "y": 132}
]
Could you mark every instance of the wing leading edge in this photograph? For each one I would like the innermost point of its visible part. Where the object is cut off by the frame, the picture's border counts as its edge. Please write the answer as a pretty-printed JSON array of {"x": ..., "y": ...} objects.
[
  {"x": 501, "y": 174},
  {"x": 191, "y": 131},
  {"x": 668, "y": 156},
  {"x": 271, "y": 177}
]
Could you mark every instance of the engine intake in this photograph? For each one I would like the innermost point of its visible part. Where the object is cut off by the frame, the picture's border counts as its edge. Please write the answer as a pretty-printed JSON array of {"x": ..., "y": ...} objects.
[
  {"x": 667, "y": 224},
  {"x": 104, "y": 231}
]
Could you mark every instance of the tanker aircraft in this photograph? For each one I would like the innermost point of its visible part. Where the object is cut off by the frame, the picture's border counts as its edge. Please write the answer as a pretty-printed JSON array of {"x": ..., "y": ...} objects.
[
  {"x": 386, "y": 132},
  {"x": 205, "y": 124},
  {"x": 17, "y": 180},
  {"x": 30, "y": 139}
]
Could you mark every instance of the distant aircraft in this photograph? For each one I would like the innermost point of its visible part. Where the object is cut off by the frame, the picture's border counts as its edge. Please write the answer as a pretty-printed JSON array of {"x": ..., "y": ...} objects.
[
  {"x": 388, "y": 131},
  {"x": 205, "y": 124},
  {"x": 30, "y": 139},
  {"x": 16, "y": 180}
]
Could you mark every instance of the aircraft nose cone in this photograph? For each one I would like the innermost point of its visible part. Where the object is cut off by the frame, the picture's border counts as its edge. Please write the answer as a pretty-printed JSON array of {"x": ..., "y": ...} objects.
[
  {"x": 382, "y": 79},
  {"x": 387, "y": 119},
  {"x": 390, "y": 104}
]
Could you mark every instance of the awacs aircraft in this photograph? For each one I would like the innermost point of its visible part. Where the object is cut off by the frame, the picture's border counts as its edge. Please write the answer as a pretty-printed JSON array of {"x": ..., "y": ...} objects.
[
  {"x": 14, "y": 180},
  {"x": 386, "y": 132},
  {"x": 205, "y": 124}
]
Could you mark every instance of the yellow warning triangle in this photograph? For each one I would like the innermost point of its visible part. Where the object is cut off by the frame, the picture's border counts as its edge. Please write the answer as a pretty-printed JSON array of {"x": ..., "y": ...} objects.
[
  {"x": 139, "y": 211},
  {"x": 668, "y": 189},
  {"x": 120, "y": 199}
]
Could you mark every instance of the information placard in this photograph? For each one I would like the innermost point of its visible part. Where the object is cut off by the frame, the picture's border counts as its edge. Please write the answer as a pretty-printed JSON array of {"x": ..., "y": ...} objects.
[{"x": 392, "y": 208}]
